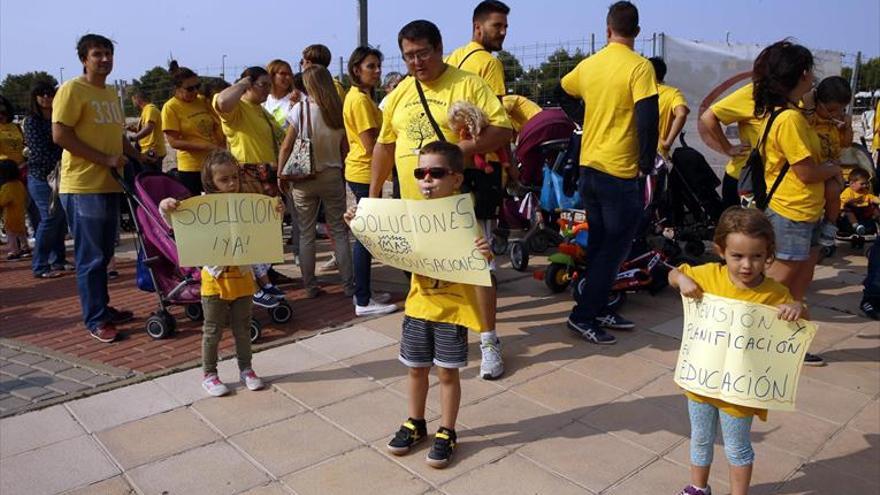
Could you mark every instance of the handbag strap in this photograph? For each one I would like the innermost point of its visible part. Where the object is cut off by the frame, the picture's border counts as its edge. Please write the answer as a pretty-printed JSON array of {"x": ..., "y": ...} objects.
[
  {"x": 269, "y": 120},
  {"x": 436, "y": 127},
  {"x": 785, "y": 166}
]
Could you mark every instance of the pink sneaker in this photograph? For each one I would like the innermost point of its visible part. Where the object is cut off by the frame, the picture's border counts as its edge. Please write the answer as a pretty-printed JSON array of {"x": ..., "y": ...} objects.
[
  {"x": 214, "y": 386},
  {"x": 251, "y": 380}
]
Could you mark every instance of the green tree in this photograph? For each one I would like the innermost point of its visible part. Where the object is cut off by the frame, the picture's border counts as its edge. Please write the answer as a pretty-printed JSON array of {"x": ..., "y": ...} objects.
[
  {"x": 513, "y": 70},
  {"x": 539, "y": 83},
  {"x": 869, "y": 75},
  {"x": 157, "y": 84},
  {"x": 17, "y": 88}
]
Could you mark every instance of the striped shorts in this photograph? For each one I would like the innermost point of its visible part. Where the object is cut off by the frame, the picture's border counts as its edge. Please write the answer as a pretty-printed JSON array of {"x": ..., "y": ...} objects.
[{"x": 425, "y": 343}]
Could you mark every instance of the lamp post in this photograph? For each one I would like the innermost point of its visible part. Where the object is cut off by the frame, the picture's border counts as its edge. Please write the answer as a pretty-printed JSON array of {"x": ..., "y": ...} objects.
[
  {"x": 223, "y": 67},
  {"x": 60, "y": 75}
]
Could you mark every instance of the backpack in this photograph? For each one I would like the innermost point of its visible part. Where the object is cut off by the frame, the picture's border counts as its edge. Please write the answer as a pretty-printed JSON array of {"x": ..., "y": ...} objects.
[{"x": 752, "y": 185}]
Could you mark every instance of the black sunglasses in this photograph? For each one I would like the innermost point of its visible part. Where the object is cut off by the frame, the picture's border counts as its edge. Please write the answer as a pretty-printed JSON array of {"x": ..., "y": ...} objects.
[{"x": 434, "y": 172}]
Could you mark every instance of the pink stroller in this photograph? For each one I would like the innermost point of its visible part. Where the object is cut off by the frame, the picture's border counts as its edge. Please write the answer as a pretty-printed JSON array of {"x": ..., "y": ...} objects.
[
  {"x": 542, "y": 142},
  {"x": 158, "y": 267}
]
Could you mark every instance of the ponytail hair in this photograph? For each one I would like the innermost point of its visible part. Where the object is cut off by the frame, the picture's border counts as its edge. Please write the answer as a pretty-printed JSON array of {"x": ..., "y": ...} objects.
[
  {"x": 179, "y": 74},
  {"x": 776, "y": 72}
]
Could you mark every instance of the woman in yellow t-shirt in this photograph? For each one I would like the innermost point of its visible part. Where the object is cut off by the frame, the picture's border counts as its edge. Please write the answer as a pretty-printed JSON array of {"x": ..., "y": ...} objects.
[
  {"x": 363, "y": 119},
  {"x": 190, "y": 127},
  {"x": 745, "y": 240},
  {"x": 796, "y": 207}
]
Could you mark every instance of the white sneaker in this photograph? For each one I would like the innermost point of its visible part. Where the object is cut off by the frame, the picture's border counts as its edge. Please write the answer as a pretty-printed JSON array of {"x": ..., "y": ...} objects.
[
  {"x": 330, "y": 264},
  {"x": 214, "y": 386},
  {"x": 374, "y": 308},
  {"x": 381, "y": 297},
  {"x": 492, "y": 365},
  {"x": 251, "y": 380}
]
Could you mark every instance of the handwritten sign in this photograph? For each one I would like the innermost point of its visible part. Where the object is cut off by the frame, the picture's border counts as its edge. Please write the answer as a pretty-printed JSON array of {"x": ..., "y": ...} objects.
[
  {"x": 228, "y": 230},
  {"x": 741, "y": 353},
  {"x": 434, "y": 238}
]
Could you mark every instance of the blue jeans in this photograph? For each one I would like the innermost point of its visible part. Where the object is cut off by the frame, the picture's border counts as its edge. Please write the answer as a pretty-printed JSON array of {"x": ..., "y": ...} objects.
[
  {"x": 92, "y": 219},
  {"x": 704, "y": 427},
  {"x": 361, "y": 258},
  {"x": 49, "y": 237},
  {"x": 872, "y": 278},
  {"x": 614, "y": 207}
]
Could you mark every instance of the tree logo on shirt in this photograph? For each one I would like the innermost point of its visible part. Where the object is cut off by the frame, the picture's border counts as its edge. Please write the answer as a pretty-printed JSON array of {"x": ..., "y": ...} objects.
[{"x": 418, "y": 129}]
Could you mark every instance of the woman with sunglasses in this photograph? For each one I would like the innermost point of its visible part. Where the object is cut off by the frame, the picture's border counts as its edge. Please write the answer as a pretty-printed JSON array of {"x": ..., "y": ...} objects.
[
  {"x": 322, "y": 121},
  {"x": 190, "y": 126},
  {"x": 43, "y": 156}
]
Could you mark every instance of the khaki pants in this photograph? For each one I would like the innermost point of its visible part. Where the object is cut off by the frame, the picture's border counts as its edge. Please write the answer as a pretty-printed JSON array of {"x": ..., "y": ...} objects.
[
  {"x": 329, "y": 187},
  {"x": 218, "y": 314}
]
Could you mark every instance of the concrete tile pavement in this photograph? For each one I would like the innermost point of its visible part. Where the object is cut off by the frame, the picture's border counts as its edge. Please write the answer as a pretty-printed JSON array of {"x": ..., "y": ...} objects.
[{"x": 568, "y": 417}]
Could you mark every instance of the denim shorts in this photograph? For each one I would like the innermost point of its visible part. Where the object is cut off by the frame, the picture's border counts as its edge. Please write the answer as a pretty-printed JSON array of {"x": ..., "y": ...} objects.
[{"x": 793, "y": 239}]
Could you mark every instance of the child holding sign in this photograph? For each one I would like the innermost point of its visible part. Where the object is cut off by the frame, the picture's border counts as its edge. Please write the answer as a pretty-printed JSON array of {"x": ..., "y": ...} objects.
[
  {"x": 227, "y": 291},
  {"x": 438, "y": 315},
  {"x": 745, "y": 240}
]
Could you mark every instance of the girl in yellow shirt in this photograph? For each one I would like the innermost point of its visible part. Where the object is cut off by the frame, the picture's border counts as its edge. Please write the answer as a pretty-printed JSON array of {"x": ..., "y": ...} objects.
[
  {"x": 226, "y": 290},
  {"x": 13, "y": 202},
  {"x": 745, "y": 240}
]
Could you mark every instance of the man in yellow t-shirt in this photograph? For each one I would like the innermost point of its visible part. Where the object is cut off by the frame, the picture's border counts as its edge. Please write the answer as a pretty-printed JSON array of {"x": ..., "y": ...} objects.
[
  {"x": 620, "y": 127},
  {"x": 408, "y": 123},
  {"x": 489, "y": 28},
  {"x": 519, "y": 110},
  {"x": 87, "y": 122},
  {"x": 149, "y": 134},
  {"x": 737, "y": 107},
  {"x": 673, "y": 109}
]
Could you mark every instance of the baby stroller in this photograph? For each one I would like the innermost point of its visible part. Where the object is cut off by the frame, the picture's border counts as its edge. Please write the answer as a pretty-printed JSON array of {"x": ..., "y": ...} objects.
[
  {"x": 692, "y": 206},
  {"x": 851, "y": 158},
  {"x": 158, "y": 267},
  {"x": 543, "y": 142}
]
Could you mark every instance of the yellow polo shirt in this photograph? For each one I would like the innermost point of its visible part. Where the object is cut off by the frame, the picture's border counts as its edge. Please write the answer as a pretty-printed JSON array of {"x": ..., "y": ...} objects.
[
  {"x": 739, "y": 107},
  {"x": 95, "y": 114},
  {"x": 610, "y": 83},
  {"x": 252, "y": 134},
  {"x": 405, "y": 124},
  {"x": 360, "y": 114}
]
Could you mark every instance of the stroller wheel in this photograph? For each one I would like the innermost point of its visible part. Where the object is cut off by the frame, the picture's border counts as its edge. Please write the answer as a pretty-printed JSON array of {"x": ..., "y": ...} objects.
[
  {"x": 519, "y": 256},
  {"x": 281, "y": 313},
  {"x": 557, "y": 277},
  {"x": 499, "y": 245},
  {"x": 256, "y": 330},
  {"x": 160, "y": 325},
  {"x": 194, "y": 312},
  {"x": 827, "y": 251}
]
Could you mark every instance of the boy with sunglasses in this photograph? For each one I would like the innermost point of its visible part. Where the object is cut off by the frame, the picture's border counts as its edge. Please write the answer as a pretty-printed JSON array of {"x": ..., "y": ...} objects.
[{"x": 438, "y": 315}]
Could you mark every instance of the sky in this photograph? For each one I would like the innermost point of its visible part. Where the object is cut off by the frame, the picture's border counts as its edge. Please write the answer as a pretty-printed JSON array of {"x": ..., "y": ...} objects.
[{"x": 42, "y": 35}]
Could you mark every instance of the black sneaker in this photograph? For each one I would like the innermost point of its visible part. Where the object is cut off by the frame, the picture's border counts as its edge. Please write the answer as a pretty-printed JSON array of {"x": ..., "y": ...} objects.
[
  {"x": 813, "y": 360},
  {"x": 614, "y": 321},
  {"x": 441, "y": 452},
  {"x": 119, "y": 316},
  {"x": 264, "y": 300},
  {"x": 411, "y": 432},
  {"x": 870, "y": 308},
  {"x": 592, "y": 332}
]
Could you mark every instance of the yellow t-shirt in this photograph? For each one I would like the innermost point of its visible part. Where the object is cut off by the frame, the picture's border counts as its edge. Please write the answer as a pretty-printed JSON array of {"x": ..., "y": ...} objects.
[
  {"x": 791, "y": 140},
  {"x": 360, "y": 114},
  {"x": 251, "y": 132},
  {"x": 155, "y": 140},
  {"x": 714, "y": 279},
  {"x": 859, "y": 200},
  {"x": 340, "y": 89},
  {"x": 520, "y": 110},
  {"x": 610, "y": 83},
  {"x": 739, "y": 107},
  {"x": 481, "y": 63},
  {"x": 13, "y": 202},
  {"x": 230, "y": 285},
  {"x": 404, "y": 121},
  {"x": 195, "y": 122},
  {"x": 829, "y": 137},
  {"x": 11, "y": 143},
  {"x": 95, "y": 115},
  {"x": 669, "y": 98},
  {"x": 875, "y": 141},
  {"x": 445, "y": 302}
]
